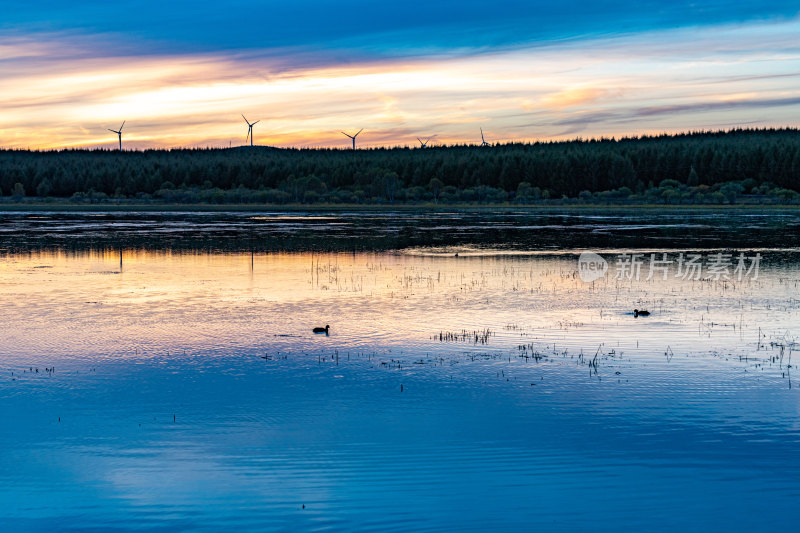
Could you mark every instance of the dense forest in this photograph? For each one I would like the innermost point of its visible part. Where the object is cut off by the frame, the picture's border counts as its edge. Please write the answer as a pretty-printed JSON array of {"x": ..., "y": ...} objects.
[{"x": 743, "y": 165}]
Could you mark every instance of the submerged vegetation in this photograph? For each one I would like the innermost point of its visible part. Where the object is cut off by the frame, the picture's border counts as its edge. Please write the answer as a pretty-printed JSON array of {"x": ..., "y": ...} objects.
[{"x": 737, "y": 166}]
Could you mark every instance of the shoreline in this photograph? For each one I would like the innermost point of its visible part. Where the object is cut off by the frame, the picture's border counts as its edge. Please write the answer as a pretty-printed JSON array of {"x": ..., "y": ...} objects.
[{"x": 433, "y": 208}]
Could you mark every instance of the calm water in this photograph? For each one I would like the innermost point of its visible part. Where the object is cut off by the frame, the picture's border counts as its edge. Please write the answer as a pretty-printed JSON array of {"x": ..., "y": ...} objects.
[{"x": 181, "y": 387}]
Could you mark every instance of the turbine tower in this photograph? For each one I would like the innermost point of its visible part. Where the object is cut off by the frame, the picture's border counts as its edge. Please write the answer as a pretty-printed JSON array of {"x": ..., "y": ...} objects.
[
  {"x": 250, "y": 129},
  {"x": 483, "y": 141},
  {"x": 425, "y": 143},
  {"x": 119, "y": 133},
  {"x": 353, "y": 137}
]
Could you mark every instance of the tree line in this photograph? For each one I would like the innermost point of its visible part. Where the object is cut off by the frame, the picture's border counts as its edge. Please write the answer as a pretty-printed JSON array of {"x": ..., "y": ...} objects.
[{"x": 760, "y": 165}]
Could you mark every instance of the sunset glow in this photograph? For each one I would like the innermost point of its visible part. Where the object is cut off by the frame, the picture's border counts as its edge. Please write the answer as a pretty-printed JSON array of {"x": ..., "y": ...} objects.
[{"x": 65, "y": 88}]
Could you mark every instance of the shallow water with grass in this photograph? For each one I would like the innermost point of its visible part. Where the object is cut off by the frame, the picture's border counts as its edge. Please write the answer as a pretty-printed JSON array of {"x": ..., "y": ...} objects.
[{"x": 159, "y": 386}]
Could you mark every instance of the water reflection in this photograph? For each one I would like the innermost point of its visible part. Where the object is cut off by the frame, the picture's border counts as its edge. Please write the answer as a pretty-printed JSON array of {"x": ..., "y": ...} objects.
[
  {"x": 479, "y": 392},
  {"x": 140, "y": 298},
  {"x": 511, "y": 229}
]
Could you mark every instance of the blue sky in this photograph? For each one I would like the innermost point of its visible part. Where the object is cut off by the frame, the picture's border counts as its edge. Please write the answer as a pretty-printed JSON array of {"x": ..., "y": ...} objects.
[
  {"x": 369, "y": 26},
  {"x": 394, "y": 69}
]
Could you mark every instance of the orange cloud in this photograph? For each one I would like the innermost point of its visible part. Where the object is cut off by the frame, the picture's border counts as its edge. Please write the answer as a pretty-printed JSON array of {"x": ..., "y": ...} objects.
[
  {"x": 53, "y": 93},
  {"x": 576, "y": 96}
]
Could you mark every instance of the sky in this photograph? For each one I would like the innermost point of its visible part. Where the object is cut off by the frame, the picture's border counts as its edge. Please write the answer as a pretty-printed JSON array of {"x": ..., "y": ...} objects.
[{"x": 182, "y": 73}]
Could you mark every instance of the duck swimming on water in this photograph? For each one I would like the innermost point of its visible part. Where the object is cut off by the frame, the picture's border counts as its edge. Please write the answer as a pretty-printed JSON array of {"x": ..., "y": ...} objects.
[
  {"x": 322, "y": 330},
  {"x": 637, "y": 313}
]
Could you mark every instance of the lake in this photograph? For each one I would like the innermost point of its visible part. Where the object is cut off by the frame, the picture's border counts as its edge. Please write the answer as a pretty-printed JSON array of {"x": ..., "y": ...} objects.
[{"x": 159, "y": 371}]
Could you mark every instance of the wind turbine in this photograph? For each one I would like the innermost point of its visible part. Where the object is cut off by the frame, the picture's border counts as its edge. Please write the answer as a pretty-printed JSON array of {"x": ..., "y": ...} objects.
[
  {"x": 118, "y": 133},
  {"x": 424, "y": 144},
  {"x": 353, "y": 137},
  {"x": 483, "y": 141},
  {"x": 250, "y": 129}
]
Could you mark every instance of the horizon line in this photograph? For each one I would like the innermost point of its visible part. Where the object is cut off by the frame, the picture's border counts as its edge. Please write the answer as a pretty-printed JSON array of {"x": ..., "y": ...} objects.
[{"x": 475, "y": 144}]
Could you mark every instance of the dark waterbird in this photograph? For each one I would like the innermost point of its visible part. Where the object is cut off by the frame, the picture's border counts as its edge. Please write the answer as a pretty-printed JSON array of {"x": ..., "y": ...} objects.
[
  {"x": 322, "y": 330},
  {"x": 637, "y": 313}
]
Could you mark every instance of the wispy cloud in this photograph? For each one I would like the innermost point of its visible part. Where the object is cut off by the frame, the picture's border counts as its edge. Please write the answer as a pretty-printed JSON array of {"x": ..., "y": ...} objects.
[
  {"x": 56, "y": 91},
  {"x": 634, "y": 114},
  {"x": 577, "y": 96}
]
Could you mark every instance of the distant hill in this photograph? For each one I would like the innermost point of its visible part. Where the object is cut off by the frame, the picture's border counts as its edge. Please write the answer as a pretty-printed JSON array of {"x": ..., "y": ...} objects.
[{"x": 742, "y": 165}]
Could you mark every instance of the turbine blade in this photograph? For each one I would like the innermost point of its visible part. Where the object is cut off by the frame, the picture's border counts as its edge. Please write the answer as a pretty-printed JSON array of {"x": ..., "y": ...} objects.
[
  {"x": 245, "y": 119},
  {"x": 254, "y": 123},
  {"x": 112, "y": 131},
  {"x": 123, "y": 124},
  {"x": 359, "y": 131},
  {"x": 346, "y": 135}
]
